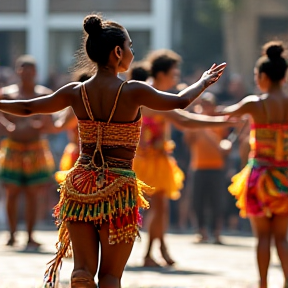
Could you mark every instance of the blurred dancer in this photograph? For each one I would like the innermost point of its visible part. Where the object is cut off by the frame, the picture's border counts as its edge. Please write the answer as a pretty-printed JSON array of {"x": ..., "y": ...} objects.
[
  {"x": 208, "y": 162},
  {"x": 27, "y": 163},
  {"x": 153, "y": 162},
  {"x": 261, "y": 188}
]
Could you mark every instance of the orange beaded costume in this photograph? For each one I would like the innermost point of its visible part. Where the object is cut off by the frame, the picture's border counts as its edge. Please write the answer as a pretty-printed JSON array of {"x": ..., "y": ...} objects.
[
  {"x": 152, "y": 163},
  {"x": 261, "y": 188},
  {"x": 110, "y": 192}
]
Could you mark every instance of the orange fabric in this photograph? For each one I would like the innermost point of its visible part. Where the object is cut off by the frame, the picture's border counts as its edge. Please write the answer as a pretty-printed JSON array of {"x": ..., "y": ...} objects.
[
  {"x": 158, "y": 169},
  {"x": 205, "y": 155},
  {"x": 153, "y": 164}
]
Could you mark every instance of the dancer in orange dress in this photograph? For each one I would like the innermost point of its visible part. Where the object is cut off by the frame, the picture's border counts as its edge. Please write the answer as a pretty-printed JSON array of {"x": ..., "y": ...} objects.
[
  {"x": 261, "y": 188},
  {"x": 101, "y": 196}
]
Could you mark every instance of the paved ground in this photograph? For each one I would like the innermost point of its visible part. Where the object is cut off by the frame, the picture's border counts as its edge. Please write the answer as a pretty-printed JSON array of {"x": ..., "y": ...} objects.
[{"x": 198, "y": 265}]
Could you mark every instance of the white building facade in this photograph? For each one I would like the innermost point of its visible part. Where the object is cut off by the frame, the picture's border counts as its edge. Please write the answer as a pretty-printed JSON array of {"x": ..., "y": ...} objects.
[{"x": 51, "y": 30}]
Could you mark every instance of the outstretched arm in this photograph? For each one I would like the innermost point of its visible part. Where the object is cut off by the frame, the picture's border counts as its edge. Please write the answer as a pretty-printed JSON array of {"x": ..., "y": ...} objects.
[
  {"x": 183, "y": 120},
  {"x": 245, "y": 106},
  {"x": 145, "y": 95},
  {"x": 41, "y": 105}
]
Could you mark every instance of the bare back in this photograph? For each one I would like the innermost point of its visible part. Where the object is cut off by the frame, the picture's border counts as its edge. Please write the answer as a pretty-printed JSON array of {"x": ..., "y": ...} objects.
[
  {"x": 270, "y": 109},
  {"x": 102, "y": 93},
  {"x": 106, "y": 104}
]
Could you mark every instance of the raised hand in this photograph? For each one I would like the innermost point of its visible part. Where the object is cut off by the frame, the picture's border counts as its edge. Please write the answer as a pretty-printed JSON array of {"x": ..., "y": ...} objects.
[{"x": 213, "y": 74}]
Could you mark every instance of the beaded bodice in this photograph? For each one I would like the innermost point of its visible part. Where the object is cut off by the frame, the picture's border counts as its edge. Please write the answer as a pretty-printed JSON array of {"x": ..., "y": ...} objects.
[
  {"x": 269, "y": 141},
  {"x": 97, "y": 135}
]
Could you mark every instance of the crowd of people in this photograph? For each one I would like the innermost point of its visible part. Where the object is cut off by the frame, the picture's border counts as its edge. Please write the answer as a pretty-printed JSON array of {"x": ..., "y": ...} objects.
[{"x": 121, "y": 157}]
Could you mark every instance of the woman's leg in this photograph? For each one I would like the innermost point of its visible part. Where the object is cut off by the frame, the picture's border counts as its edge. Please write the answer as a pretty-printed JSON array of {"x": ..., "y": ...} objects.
[
  {"x": 85, "y": 243},
  {"x": 262, "y": 228},
  {"x": 113, "y": 260},
  {"x": 279, "y": 228},
  {"x": 157, "y": 222},
  {"x": 165, "y": 222}
]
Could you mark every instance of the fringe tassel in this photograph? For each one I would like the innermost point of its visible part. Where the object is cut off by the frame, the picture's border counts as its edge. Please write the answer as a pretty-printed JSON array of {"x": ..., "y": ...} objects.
[{"x": 64, "y": 249}]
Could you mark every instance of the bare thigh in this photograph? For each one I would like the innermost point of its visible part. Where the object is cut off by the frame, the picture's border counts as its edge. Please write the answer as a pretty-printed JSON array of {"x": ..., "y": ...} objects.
[
  {"x": 262, "y": 226},
  {"x": 85, "y": 243},
  {"x": 12, "y": 190},
  {"x": 280, "y": 226},
  {"x": 113, "y": 257}
]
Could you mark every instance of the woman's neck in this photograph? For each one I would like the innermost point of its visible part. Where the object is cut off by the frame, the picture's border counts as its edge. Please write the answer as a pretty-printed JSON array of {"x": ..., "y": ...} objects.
[
  {"x": 107, "y": 70},
  {"x": 275, "y": 88}
]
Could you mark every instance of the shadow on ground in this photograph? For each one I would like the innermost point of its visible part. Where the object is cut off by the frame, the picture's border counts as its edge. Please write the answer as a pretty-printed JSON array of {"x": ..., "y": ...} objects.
[{"x": 165, "y": 270}]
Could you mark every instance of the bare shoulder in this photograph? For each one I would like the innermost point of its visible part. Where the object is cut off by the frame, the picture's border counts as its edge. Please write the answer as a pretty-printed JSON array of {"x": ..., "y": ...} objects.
[
  {"x": 137, "y": 86},
  {"x": 10, "y": 92},
  {"x": 251, "y": 99}
]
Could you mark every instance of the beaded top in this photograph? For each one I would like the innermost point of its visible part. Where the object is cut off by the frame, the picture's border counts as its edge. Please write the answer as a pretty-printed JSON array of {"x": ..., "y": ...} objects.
[
  {"x": 269, "y": 141},
  {"x": 95, "y": 135}
]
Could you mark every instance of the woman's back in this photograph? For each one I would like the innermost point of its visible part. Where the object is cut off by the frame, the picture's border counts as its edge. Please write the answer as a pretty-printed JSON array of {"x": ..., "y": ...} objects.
[
  {"x": 99, "y": 132},
  {"x": 271, "y": 109},
  {"x": 269, "y": 132}
]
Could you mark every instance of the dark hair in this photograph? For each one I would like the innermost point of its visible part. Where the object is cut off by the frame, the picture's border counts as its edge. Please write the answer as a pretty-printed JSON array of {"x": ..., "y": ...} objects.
[
  {"x": 102, "y": 37},
  {"x": 162, "y": 61},
  {"x": 272, "y": 63},
  {"x": 81, "y": 75},
  {"x": 139, "y": 71}
]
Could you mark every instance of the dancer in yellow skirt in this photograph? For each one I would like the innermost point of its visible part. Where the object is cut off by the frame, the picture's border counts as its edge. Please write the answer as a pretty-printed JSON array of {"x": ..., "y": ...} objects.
[
  {"x": 100, "y": 197},
  {"x": 261, "y": 188},
  {"x": 153, "y": 162}
]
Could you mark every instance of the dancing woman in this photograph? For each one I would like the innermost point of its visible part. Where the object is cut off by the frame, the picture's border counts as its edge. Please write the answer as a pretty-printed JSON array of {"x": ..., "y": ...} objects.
[
  {"x": 155, "y": 148},
  {"x": 261, "y": 188},
  {"x": 101, "y": 196}
]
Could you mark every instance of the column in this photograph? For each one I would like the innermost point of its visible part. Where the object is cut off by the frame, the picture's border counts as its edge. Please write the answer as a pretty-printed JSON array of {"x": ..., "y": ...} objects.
[
  {"x": 162, "y": 15},
  {"x": 37, "y": 35}
]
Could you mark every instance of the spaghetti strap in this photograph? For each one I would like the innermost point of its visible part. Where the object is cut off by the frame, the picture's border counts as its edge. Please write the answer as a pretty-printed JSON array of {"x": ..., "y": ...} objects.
[
  {"x": 116, "y": 101},
  {"x": 86, "y": 102}
]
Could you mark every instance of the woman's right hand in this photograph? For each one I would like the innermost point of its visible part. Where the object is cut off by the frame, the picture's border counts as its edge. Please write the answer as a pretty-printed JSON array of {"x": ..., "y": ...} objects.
[{"x": 213, "y": 74}]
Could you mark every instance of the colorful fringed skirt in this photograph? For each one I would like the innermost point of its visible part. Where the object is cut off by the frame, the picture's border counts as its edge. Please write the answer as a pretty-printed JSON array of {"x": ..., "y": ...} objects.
[
  {"x": 158, "y": 169},
  {"x": 25, "y": 164},
  {"x": 261, "y": 189},
  {"x": 113, "y": 195}
]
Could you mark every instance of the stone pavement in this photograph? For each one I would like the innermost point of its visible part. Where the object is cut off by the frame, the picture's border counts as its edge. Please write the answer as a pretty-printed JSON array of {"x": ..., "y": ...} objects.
[{"x": 198, "y": 265}]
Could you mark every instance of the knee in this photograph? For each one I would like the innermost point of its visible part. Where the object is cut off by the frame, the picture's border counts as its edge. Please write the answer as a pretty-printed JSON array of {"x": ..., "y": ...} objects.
[
  {"x": 264, "y": 240},
  {"x": 108, "y": 281},
  {"x": 81, "y": 279},
  {"x": 280, "y": 240}
]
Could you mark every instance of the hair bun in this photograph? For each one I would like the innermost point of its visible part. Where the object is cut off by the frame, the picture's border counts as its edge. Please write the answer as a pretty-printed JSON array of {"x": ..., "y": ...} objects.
[
  {"x": 93, "y": 24},
  {"x": 274, "y": 51}
]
